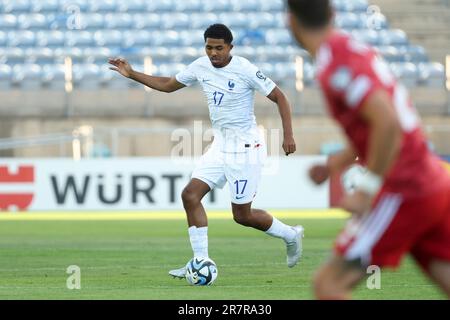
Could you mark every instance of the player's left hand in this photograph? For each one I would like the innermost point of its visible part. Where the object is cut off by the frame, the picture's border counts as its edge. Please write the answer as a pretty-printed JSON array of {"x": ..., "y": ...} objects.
[
  {"x": 357, "y": 203},
  {"x": 289, "y": 145}
]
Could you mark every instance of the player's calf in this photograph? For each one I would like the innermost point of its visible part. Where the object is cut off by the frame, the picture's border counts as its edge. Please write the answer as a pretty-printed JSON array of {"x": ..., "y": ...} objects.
[{"x": 335, "y": 280}]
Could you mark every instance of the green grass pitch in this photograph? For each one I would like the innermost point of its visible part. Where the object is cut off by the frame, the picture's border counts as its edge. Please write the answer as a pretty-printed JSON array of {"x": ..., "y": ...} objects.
[{"x": 130, "y": 260}]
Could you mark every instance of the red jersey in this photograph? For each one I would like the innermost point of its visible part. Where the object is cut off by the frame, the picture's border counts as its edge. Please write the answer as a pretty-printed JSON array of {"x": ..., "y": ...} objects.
[{"x": 349, "y": 72}]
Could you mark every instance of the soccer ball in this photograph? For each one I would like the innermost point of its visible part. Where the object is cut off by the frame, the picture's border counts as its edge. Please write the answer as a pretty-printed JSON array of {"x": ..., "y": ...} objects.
[
  {"x": 350, "y": 176},
  {"x": 201, "y": 271}
]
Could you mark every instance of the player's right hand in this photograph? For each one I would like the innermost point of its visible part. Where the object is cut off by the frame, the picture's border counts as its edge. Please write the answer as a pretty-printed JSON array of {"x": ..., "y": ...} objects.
[
  {"x": 121, "y": 66},
  {"x": 319, "y": 173}
]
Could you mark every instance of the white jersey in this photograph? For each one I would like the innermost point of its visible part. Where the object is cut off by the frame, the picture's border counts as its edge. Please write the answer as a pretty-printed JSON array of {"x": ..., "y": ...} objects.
[{"x": 230, "y": 95}]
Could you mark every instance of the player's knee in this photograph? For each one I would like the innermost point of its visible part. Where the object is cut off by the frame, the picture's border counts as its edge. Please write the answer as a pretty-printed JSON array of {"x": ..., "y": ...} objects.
[
  {"x": 241, "y": 220},
  {"x": 189, "y": 198},
  {"x": 241, "y": 217}
]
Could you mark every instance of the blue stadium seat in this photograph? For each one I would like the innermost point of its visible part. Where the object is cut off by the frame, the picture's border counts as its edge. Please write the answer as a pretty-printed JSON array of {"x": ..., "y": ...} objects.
[
  {"x": 187, "y": 55},
  {"x": 5, "y": 76},
  {"x": 247, "y": 52},
  {"x": 8, "y": 22},
  {"x": 86, "y": 76},
  {"x": 367, "y": 36},
  {"x": 245, "y": 6},
  {"x": 12, "y": 55},
  {"x": 415, "y": 53},
  {"x": 177, "y": 21},
  {"x": 147, "y": 21},
  {"x": 431, "y": 74},
  {"x": 39, "y": 56},
  {"x": 376, "y": 22},
  {"x": 203, "y": 20},
  {"x": 277, "y": 53},
  {"x": 51, "y": 39},
  {"x": 165, "y": 38},
  {"x": 93, "y": 21},
  {"x": 192, "y": 38},
  {"x": 339, "y": 5},
  {"x": 21, "y": 39},
  {"x": 253, "y": 37},
  {"x": 27, "y": 76},
  {"x": 34, "y": 21},
  {"x": 102, "y": 6},
  {"x": 132, "y": 6},
  {"x": 73, "y": 52},
  {"x": 108, "y": 38},
  {"x": 16, "y": 6},
  {"x": 348, "y": 20},
  {"x": 3, "y": 39},
  {"x": 278, "y": 37},
  {"x": 45, "y": 6},
  {"x": 217, "y": 6},
  {"x": 74, "y": 6},
  {"x": 80, "y": 39},
  {"x": 393, "y": 37},
  {"x": 258, "y": 20},
  {"x": 53, "y": 77},
  {"x": 355, "y": 5},
  {"x": 391, "y": 54},
  {"x": 161, "y": 5},
  {"x": 406, "y": 72},
  {"x": 61, "y": 21},
  {"x": 284, "y": 72},
  {"x": 272, "y": 6},
  {"x": 137, "y": 38},
  {"x": 188, "y": 6},
  {"x": 159, "y": 55},
  {"x": 97, "y": 55},
  {"x": 118, "y": 21},
  {"x": 234, "y": 20},
  {"x": 280, "y": 20}
]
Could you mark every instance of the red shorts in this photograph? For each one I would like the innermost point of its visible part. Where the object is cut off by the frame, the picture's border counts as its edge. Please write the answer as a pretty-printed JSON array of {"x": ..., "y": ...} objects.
[{"x": 395, "y": 227}]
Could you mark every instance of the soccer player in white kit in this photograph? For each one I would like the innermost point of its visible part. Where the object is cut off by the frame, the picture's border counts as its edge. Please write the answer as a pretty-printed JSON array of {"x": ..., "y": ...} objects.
[{"x": 237, "y": 153}]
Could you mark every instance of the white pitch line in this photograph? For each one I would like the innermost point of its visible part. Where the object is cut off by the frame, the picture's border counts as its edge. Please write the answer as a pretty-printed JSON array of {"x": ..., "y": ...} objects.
[{"x": 160, "y": 215}]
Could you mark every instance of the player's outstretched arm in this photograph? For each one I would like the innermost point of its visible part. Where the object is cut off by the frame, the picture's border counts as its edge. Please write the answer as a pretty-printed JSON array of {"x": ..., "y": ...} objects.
[
  {"x": 284, "y": 108},
  {"x": 163, "y": 84}
]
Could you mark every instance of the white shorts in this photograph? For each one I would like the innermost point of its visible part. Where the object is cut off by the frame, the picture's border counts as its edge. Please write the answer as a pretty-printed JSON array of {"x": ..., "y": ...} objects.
[{"x": 241, "y": 170}]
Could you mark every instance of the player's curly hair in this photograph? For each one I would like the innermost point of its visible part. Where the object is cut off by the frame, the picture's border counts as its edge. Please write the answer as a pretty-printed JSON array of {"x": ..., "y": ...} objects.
[
  {"x": 219, "y": 31},
  {"x": 312, "y": 13}
]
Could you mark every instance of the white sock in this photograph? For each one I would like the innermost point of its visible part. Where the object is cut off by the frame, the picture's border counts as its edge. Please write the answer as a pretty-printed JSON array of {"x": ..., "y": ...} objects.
[
  {"x": 281, "y": 230},
  {"x": 199, "y": 241}
]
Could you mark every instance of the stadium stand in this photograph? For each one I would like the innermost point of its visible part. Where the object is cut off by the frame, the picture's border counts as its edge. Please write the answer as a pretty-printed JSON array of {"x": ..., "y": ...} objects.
[
  {"x": 43, "y": 32},
  {"x": 36, "y": 37}
]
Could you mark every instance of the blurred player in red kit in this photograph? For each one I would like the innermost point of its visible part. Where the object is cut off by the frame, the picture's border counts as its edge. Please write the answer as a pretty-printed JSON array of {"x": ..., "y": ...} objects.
[{"x": 402, "y": 204}]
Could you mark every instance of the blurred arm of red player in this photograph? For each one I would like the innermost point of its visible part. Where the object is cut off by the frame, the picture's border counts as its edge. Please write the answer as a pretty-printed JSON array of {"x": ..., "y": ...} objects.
[
  {"x": 336, "y": 163},
  {"x": 384, "y": 146}
]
